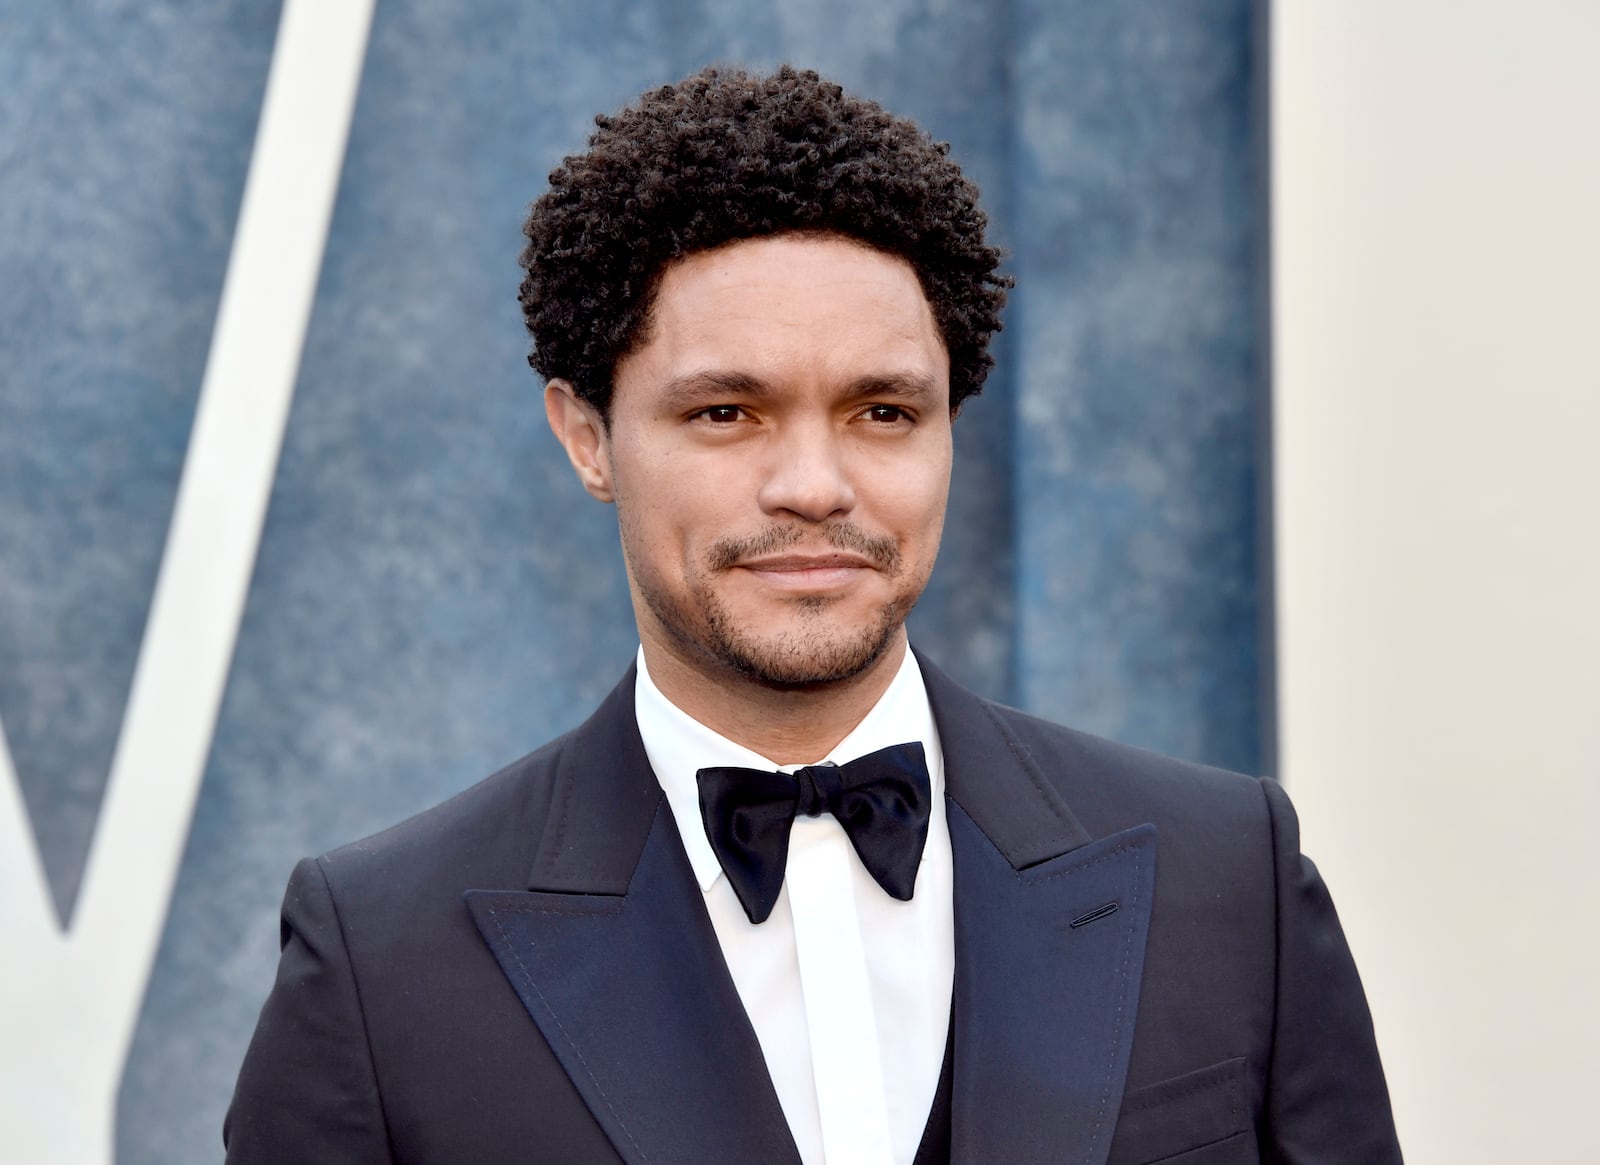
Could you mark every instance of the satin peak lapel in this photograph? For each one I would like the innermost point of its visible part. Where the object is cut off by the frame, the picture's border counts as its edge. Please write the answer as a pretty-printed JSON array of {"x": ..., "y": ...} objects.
[
  {"x": 1048, "y": 963},
  {"x": 613, "y": 956},
  {"x": 1050, "y": 939},
  {"x": 641, "y": 1012}
]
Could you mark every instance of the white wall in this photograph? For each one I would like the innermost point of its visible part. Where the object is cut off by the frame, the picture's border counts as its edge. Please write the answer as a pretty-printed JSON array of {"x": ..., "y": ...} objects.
[{"x": 1436, "y": 186}]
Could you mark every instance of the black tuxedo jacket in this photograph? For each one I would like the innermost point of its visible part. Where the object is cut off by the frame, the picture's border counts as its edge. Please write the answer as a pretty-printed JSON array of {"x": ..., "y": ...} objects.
[{"x": 1146, "y": 970}]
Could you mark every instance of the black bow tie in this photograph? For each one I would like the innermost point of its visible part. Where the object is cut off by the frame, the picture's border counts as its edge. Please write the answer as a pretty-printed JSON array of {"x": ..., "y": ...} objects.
[{"x": 881, "y": 800}]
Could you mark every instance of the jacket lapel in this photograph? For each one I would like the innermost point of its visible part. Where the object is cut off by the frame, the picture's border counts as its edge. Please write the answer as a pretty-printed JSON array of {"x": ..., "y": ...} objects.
[
  {"x": 612, "y": 954},
  {"x": 1050, "y": 936}
]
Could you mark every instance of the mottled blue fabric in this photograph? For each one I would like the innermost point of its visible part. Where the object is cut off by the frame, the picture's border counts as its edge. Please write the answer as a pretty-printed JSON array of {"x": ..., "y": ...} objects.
[
  {"x": 435, "y": 594},
  {"x": 1139, "y": 363}
]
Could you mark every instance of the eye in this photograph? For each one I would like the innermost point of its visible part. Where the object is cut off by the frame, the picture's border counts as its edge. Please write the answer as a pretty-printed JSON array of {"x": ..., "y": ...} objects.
[
  {"x": 720, "y": 414},
  {"x": 886, "y": 414}
]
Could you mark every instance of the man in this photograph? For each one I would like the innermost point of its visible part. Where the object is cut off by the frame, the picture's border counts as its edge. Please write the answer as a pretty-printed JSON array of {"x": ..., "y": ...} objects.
[{"x": 792, "y": 894}]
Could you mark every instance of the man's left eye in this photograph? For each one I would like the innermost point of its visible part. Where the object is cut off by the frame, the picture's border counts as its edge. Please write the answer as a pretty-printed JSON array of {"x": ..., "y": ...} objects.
[{"x": 885, "y": 413}]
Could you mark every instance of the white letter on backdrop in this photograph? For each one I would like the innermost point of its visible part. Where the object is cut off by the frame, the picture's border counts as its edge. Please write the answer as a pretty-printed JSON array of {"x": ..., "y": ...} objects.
[{"x": 69, "y": 1000}]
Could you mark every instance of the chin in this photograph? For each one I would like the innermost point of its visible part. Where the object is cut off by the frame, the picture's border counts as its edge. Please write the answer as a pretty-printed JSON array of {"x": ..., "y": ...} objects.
[
  {"x": 805, "y": 657},
  {"x": 801, "y": 643}
]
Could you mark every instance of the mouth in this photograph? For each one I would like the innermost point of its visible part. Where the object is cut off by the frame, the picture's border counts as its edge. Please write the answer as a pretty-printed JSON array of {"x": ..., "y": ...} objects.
[
  {"x": 792, "y": 561},
  {"x": 808, "y": 572}
]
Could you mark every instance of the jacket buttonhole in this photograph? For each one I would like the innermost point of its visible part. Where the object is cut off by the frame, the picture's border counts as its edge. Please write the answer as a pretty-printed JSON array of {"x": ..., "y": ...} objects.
[{"x": 1094, "y": 915}]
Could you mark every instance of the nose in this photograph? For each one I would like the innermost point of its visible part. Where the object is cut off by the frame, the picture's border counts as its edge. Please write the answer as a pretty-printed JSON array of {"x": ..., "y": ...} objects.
[{"x": 808, "y": 475}]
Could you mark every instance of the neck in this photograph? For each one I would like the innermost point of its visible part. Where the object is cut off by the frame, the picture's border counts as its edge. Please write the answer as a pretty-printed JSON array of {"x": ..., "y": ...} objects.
[{"x": 787, "y": 726}]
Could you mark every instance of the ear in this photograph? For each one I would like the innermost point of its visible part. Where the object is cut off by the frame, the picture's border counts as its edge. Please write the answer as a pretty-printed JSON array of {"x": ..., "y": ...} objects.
[{"x": 577, "y": 425}]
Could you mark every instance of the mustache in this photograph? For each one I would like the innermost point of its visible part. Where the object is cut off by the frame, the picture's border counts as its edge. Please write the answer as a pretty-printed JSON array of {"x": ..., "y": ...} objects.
[{"x": 726, "y": 553}]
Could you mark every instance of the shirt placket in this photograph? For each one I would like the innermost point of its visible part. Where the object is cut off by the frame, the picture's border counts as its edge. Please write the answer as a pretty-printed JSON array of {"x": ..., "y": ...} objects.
[{"x": 834, "y": 983}]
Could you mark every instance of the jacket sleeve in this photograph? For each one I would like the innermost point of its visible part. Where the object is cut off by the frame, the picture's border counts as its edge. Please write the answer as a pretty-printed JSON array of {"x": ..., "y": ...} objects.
[
  {"x": 1326, "y": 1099},
  {"x": 306, "y": 1091}
]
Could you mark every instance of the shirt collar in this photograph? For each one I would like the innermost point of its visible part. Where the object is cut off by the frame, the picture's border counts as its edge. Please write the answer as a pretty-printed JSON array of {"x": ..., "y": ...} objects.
[{"x": 679, "y": 746}]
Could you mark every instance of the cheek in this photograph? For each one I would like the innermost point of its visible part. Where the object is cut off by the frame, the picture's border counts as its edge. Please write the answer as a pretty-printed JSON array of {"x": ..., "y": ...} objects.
[
  {"x": 929, "y": 521},
  {"x": 915, "y": 499},
  {"x": 670, "y": 518},
  {"x": 650, "y": 534}
]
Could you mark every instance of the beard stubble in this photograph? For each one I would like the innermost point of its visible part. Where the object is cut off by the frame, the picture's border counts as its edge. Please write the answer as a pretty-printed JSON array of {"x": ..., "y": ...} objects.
[{"x": 816, "y": 654}]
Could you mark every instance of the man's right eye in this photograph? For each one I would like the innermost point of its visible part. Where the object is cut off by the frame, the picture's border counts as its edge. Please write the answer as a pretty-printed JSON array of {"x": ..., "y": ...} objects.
[{"x": 720, "y": 414}]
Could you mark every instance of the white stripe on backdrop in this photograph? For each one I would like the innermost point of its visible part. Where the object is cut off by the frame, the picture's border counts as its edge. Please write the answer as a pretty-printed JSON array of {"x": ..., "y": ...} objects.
[{"x": 58, "y": 1103}]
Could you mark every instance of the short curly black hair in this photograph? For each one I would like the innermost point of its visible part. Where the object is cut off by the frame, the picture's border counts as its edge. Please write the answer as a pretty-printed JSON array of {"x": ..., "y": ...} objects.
[{"x": 726, "y": 155}]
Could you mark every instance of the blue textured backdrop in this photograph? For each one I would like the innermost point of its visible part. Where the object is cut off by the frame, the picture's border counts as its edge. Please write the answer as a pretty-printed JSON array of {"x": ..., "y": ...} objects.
[{"x": 434, "y": 593}]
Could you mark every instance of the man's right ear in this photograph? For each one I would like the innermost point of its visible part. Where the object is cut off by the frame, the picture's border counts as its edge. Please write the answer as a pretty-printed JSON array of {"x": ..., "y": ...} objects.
[{"x": 577, "y": 425}]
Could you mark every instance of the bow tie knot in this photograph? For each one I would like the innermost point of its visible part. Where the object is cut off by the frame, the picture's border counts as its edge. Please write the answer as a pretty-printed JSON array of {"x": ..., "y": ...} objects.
[
  {"x": 818, "y": 790},
  {"x": 881, "y": 800}
]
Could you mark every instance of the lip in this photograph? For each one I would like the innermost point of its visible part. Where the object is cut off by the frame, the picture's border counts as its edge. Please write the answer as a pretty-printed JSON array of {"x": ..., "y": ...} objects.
[
  {"x": 809, "y": 572},
  {"x": 808, "y": 562}
]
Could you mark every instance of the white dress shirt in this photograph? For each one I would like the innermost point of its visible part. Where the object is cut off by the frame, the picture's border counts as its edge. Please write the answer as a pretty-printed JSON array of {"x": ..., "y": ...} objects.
[{"x": 847, "y": 988}]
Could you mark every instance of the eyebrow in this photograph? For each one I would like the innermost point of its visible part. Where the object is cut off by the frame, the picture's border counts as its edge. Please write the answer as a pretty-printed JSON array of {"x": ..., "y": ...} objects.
[
  {"x": 710, "y": 384},
  {"x": 909, "y": 386}
]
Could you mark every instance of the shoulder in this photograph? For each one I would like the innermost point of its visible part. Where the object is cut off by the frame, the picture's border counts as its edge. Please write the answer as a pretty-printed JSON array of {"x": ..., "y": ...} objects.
[
  {"x": 483, "y": 836},
  {"x": 1108, "y": 786},
  {"x": 487, "y": 835},
  {"x": 1094, "y": 772},
  {"x": 1034, "y": 786}
]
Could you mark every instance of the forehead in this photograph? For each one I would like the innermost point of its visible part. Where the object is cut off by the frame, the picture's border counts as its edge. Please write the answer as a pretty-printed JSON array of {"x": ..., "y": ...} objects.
[{"x": 790, "y": 309}]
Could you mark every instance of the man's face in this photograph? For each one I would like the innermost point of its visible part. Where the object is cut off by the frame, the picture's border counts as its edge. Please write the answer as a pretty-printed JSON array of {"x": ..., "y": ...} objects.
[{"x": 779, "y": 451}]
